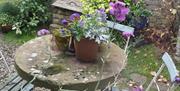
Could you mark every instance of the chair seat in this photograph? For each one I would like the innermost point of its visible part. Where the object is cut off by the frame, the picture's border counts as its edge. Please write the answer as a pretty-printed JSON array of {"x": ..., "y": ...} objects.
[{"x": 15, "y": 83}]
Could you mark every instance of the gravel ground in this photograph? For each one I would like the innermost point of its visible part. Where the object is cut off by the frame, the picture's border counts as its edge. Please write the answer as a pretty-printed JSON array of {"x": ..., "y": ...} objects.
[{"x": 8, "y": 51}]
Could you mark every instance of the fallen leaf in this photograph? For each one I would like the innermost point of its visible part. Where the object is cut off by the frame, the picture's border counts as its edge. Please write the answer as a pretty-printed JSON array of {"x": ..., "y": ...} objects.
[
  {"x": 168, "y": 84},
  {"x": 164, "y": 80},
  {"x": 137, "y": 52},
  {"x": 173, "y": 11},
  {"x": 161, "y": 76},
  {"x": 153, "y": 73},
  {"x": 130, "y": 84},
  {"x": 160, "y": 80}
]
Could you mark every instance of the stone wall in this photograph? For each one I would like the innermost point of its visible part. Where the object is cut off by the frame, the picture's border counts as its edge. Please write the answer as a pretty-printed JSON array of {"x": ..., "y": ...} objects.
[
  {"x": 62, "y": 9},
  {"x": 58, "y": 15},
  {"x": 162, "y": 17},
  {"x": 176, "y": 6}
]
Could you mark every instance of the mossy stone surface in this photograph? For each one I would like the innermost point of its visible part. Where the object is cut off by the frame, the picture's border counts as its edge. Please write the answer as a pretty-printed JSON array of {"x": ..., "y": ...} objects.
[{"x": 71, "y": 74}]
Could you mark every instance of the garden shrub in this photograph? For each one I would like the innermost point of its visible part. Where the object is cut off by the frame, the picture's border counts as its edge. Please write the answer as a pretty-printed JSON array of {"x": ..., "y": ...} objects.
[
  {"x": 32, "y": 14},
  {"x": 9, "y": 8},
  {"x": 6, "y": 19}
]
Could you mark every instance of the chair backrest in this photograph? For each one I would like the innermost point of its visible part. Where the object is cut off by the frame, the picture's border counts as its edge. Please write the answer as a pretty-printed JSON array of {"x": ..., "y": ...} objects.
[
  {"x": 119, "y": 27},
  {"x": 170, "y": 65}
]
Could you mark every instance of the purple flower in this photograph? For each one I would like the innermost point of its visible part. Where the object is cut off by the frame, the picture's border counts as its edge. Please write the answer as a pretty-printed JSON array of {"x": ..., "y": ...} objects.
[
  {"x": 81, "y": 23},
  {"x": 101, "y": 11},
  {"x": 43, "y": 32},
  {"x": 88, "y": 15},
  {"x": 64, "y": 22},
  {"x": 137, "y": 88},
  {"x": 62, "y": 32},
  {"x": 119, "y": 10},
  {"x": 128, "y": 34},
  {"x": 102, "y": 14},
  {"x": 75, "y": 16},
  {"x": 177, "y": 79}
]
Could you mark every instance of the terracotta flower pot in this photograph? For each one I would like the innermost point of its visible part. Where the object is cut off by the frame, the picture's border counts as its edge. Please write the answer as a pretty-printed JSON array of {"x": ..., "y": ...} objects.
[{"x": 86, "y": 50}]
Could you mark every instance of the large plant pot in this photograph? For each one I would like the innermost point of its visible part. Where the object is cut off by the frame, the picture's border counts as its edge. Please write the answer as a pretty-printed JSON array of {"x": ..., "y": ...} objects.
[{"x": 86, "y": 50}]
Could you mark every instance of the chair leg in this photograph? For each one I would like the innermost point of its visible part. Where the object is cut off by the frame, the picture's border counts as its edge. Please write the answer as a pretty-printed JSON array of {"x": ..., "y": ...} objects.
[
  {"x": 4, "y": 60},
  {"x": 111, "y": 89},
  {"x": 155, "y": 77},
  {"x": 115, "y": 89},
  {"x": 172, "y": 88},
  {"x": 157, "y": 85}
]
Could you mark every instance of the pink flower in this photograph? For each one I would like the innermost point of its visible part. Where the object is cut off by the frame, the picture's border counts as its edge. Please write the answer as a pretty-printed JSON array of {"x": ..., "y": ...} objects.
[
  {"x": 119, "y": 10},
  {"x": 128, "y": 34}
]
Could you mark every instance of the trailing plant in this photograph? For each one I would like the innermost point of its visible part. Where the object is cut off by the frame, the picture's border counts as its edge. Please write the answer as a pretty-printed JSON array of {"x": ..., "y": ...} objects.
[{"x": 32, "y": 14}]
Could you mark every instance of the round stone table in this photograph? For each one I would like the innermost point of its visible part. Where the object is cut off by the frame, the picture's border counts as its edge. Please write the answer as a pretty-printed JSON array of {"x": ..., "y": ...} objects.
[{"x": 55, "y": 70}]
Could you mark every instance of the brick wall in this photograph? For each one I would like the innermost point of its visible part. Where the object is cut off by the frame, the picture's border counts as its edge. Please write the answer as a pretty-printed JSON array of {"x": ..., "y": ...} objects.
[{"x": 62, "y": 9}]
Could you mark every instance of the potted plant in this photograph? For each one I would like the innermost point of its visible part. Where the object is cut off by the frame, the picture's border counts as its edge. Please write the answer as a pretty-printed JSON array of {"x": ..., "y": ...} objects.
[
  {"x": 6, "y": 22},
  {"x": 88, "y": 33},
  {"x": 62, "y": 35},
  {"x": 61, "y": 38}
]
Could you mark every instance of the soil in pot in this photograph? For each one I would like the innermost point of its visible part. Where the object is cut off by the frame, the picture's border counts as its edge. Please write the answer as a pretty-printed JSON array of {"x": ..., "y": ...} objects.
[{"x": 86, "y": 50}]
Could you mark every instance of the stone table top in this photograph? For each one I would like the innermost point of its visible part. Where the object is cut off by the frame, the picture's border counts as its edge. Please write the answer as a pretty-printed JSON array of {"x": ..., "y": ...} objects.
[{"x": 36, "y": 57}]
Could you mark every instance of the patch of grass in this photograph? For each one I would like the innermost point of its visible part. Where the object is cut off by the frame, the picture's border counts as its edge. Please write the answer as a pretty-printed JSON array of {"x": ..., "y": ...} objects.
[
  {"x": 142, "y": 60},
  {"x": 12, "y": 38}
]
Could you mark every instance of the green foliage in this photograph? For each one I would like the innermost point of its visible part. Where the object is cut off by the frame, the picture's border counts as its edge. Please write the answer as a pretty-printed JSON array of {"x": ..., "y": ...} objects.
[
  {"x": 11, "y": 38},
  {"x": 9, "y": 8},
  {"x": 32, "y": 14},
  {"x": 92, "y": 27},
  {"x": 62, "y": 32},
  {"x": 117, "y": 38},
  {"x": 90, "y": 6},
  {"x": 6, "y": 19},
  {"x": 137, "y": 9}
]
